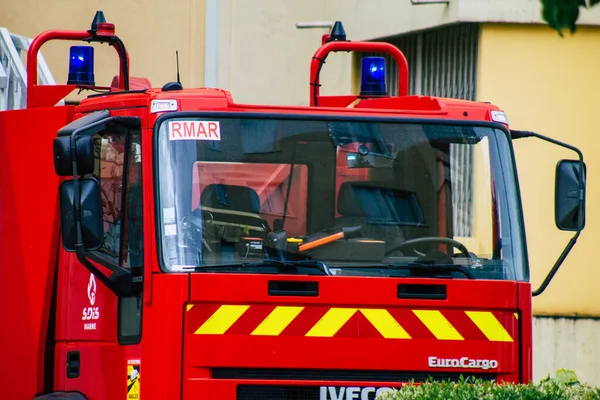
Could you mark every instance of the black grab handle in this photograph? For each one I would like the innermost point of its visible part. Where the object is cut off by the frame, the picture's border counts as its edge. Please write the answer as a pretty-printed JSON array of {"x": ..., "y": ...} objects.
[
  {"x": 420, "y": 291},
  {"x": 293, "y": 288}
]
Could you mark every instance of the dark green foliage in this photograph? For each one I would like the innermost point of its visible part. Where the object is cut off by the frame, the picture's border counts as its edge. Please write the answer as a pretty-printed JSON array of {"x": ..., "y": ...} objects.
[
  {"x": 564, "y": 386},
  {"x": 561, "y": 14}
]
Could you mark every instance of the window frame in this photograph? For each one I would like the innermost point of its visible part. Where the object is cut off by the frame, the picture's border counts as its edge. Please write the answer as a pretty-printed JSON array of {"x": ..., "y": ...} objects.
[
  {"x": 98, "y": 256},
  {"x": 104, "y": 259},
  {"x": 512, "y": 191}
]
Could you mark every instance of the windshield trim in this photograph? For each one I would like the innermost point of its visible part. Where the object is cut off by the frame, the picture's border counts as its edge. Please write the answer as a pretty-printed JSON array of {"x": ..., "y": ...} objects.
[{"x": 329, "y": 117}]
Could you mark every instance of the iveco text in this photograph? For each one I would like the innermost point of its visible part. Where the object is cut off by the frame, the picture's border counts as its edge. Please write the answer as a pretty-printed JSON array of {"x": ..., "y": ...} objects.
[{"x": 351, "y": 392}]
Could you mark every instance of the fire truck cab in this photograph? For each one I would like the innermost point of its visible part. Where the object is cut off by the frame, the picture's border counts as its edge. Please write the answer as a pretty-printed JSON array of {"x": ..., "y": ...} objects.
[{"x": 169, "y": 243}]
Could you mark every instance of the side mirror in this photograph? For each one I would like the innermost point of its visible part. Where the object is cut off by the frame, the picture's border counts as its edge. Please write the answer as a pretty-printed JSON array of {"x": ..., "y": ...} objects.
[
  {"x": 81, "y": 130},
  {"x": 569, "y": 206},
  {"x": 90, "y": 201},
  {"x": 62, "y": 155}
]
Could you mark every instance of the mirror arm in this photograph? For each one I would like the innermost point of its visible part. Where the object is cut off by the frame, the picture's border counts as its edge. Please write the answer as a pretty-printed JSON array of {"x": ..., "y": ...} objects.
[
  {"x": 523, "y": 134},
  {"x": 120, "y": 280},
  {"x": 557, "y": 265}
]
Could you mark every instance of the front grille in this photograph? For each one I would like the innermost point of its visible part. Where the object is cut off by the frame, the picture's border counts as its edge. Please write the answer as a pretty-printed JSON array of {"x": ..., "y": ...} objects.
[
  {"x": 266, "y": 392},
  {"x": 260, "y": 392},
  {"x": 338, "y": 375}
]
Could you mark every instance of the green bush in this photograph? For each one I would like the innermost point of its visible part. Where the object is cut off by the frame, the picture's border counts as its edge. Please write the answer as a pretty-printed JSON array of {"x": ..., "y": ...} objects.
[{"x": 564, "y": 386}]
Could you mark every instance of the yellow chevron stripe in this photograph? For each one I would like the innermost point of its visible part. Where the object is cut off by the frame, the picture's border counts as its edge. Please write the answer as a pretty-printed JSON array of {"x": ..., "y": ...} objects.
[
  {"x": 331, "y": 322},
  {"x": 441, "y": 328},
  {"x": 189, "y": 307},
  {"x": 385, "y": 324},
  {"x": 221, "y": 320},
  {"x": 277, "y": 321},
  {"x": 517, "y": 315},
  {"x": 489, "y": 325}
]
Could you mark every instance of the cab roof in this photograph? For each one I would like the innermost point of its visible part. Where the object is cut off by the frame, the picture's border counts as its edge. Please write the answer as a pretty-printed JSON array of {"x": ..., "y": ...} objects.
[{"x": 208, "y": 99}]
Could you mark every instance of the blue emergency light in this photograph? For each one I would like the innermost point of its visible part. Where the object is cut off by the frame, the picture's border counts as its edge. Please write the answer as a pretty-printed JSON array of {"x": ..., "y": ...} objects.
[
  {"x": 373, "y": 76},
  {"x": 81, "y": 66}
]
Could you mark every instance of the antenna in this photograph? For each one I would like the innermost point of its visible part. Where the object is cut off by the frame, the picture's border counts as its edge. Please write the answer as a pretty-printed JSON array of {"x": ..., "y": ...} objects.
[
  {"x": 177, "y": 59},
  {"x": 174, "y": 85}
]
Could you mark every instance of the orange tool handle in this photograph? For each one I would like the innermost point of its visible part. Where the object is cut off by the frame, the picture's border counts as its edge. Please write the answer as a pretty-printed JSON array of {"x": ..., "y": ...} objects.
[{"x": 322, "y": 241}]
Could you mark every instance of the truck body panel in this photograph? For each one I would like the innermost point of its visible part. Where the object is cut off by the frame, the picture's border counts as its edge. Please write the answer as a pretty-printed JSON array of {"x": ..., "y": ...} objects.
[
  {"x": 247, "y": 330},
  {"x": 29, "y": 245}
]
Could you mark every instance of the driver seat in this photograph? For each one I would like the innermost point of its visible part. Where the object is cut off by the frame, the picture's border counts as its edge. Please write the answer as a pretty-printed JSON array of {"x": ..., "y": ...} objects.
[
  {"x": 379, "y": 209},
  {"x": 231, "y": 212}
]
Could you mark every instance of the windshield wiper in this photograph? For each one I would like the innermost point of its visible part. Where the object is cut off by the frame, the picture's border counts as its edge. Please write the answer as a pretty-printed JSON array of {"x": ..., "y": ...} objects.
[
  {"x": 282, "y": 266},
  {"x": 432, "y": 268}
]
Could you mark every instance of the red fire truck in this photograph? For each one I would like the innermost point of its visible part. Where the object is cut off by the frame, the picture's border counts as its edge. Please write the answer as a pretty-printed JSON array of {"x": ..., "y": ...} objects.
[{"x": 216, "y": 250}]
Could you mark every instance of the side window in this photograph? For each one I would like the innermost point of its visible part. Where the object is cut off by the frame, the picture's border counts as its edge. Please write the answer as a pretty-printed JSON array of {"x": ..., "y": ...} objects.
[
  {"x": 119, "y": 170},
  {"x": 110, "y": 156},
  {"x": 121, "y": 197},
  {"x": 133, "y": 232}
]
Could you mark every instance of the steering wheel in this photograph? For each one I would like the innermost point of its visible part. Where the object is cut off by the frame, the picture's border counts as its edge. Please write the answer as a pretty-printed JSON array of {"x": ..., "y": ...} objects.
[{"x": 429, "y": 239}]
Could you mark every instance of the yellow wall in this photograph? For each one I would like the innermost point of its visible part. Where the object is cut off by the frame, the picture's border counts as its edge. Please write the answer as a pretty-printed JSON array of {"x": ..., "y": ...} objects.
[
  {"x": 550, "y": 85},
  {"x": 151, "y": 30}
]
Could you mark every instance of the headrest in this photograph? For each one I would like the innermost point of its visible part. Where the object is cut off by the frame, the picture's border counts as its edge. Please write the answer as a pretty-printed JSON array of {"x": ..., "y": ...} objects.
[
  {"x": 355, "y": 197},
  {"x": 377, "y": 201},
  {"x": 230, "y": 197}
]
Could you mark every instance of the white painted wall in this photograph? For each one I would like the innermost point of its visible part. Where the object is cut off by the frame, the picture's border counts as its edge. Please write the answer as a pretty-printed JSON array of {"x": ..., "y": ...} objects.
[
  {"x": 571, "y": 343},
  {"x": 263, "y": 58}
]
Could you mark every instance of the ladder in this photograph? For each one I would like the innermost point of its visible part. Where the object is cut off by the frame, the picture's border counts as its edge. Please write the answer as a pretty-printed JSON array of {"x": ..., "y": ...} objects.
[{"x": 13, "y": 73}]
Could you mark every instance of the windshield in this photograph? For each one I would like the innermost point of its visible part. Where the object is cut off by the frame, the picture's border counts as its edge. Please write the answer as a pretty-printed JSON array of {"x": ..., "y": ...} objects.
[{"x": 362, "y": 197}]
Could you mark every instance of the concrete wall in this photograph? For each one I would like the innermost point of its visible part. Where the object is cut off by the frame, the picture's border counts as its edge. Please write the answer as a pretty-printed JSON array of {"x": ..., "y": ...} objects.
[
  {"x": 151, "y": 31},
  {"x": 571, "y": 343}
]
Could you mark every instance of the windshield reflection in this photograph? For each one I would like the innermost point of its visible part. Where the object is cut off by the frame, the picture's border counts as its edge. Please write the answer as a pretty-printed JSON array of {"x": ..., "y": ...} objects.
[{"x": 362, "y": 198}]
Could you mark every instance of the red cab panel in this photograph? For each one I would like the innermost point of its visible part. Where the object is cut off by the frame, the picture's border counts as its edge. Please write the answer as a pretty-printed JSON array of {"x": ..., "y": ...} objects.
[{"x": 346, "y": 331}]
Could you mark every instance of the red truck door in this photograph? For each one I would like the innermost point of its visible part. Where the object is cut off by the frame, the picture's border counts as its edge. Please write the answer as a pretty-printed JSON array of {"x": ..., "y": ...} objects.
[{"x": 98, "y": 334}]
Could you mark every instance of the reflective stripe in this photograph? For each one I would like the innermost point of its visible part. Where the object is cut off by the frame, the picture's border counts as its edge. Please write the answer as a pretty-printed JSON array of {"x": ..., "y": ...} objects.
[
  {"x": 331, "y": 322},
  {"x": 438, "y": 325},
  {"x": 221, "y": 320},
  {"x": 272, "y": 321},
  {"x": 277, "y": 321},
  {"x": 490, "y": 326},
  {"x": 385, "y": 324}
]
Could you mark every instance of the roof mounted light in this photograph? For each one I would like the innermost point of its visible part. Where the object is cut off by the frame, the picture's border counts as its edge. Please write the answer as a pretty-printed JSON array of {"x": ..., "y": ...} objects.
[
  {"x": 373, "y": 77},
  {"x": 163, "y": 105},
  {"x": 499, "y": 116},
  {"x": 81, "y": 66}
]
